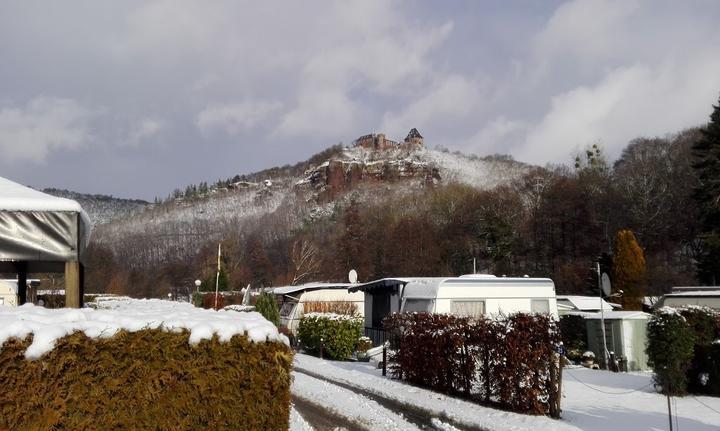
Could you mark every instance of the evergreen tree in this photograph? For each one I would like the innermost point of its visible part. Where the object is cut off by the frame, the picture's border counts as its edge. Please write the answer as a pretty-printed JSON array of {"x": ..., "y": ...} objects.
[
  {"x": 707, "y": 195},
  {"x": 267, "y": 306},
  {"x": 629, "y": 269}
]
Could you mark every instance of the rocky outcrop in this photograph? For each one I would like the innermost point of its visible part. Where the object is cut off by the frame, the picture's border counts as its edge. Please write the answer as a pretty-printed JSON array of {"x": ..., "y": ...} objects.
[{"x": 336, "y": 177}]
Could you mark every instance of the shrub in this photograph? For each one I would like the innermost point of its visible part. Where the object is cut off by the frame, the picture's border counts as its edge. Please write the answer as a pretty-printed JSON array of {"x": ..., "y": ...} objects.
[
  {"x": 336, "y": 334},
  {"x": 704, "y": 372},
  {"x": 574, "y": 336},
  {"x": 670, "y": 349},
  {"x": 208, "y": 301},
  {"x": 149, "y": 379},
  {"x": 703, "y": 323},
  {"x": 511, "y": 363},
  {"x": 267, "y": 306}
]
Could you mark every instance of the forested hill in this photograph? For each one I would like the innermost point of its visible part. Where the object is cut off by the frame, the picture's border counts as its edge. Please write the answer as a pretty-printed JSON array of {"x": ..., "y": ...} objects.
[{"x": 102, "y": 208}]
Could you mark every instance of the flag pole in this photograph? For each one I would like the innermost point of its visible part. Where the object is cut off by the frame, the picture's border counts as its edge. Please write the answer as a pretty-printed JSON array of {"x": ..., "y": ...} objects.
[{"x": 217, "y": 277}]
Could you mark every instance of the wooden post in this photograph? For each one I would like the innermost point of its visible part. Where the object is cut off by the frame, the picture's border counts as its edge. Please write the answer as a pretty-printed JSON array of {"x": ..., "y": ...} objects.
[
  {"x": 73, "y": 298},
  {"x": 22, "y": 282}
]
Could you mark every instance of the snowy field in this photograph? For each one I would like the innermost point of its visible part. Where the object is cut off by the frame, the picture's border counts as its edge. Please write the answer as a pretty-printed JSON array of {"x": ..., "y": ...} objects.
[{"x": 592, "y": 400}]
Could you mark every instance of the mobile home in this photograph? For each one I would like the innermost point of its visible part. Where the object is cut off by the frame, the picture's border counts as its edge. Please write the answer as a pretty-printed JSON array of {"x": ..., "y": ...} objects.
[
  {"x": 467, "y": 295},
  {"x": 293, "y": 299},
  {"x": 708, "y": 296}
]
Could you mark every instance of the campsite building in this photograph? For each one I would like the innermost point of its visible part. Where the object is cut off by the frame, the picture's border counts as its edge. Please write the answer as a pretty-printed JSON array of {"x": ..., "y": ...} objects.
[{"x": 40, "y": 233}]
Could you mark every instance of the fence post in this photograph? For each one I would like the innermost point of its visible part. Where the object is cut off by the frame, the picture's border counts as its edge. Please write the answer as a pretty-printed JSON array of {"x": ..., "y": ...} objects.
[{"x": 384, "y": 373}]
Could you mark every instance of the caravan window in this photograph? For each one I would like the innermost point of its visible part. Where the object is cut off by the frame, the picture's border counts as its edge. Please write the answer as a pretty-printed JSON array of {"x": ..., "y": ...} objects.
[
  {"x": 540, "y": 306},
  {"x": 418, "y": 305},
  {"x": 467, "y": 308},
  {"x": 287, "y": 308}
]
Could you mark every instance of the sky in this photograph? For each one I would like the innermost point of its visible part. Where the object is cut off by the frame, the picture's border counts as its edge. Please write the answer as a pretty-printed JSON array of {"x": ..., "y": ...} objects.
[{"x": 137, "y": 98}]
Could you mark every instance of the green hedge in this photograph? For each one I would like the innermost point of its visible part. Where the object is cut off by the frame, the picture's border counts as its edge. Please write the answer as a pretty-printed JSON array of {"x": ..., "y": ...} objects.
[
  {"x": 338, "y": 334},
  {"x": 150, "y": 379}
]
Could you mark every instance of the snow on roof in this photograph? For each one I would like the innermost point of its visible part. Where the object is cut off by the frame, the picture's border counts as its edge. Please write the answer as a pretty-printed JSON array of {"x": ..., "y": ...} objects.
[
  {"x": 287, "y": 290},
  {"x": 625, "y": 315},
  {"x": 16, "y": 197},
  {"x": 113, "y": 315},
  {"x": 584, "y": 303},
  {"x": 692, "y": 293}
]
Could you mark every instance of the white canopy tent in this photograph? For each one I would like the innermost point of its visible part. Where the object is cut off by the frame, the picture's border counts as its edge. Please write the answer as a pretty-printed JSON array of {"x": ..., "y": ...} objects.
[{"x": 42, "y": 233}]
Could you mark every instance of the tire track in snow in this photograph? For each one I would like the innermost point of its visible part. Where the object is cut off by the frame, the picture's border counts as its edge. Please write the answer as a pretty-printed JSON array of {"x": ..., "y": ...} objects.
[
  {"x": 421, "y": 418},
  {"x": 361, "y": 412}
]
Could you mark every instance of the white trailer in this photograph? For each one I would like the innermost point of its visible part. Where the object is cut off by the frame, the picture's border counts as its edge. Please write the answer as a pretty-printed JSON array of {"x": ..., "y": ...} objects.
[{"x": 468, "y": 295}]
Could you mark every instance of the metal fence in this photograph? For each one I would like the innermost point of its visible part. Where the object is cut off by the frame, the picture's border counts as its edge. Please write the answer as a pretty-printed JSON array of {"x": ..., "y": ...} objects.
[{"x": 376, "y": 335}]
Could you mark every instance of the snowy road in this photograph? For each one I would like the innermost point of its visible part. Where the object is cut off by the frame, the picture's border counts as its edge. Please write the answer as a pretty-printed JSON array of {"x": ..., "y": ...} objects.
[{"x": 354, "y": 396}]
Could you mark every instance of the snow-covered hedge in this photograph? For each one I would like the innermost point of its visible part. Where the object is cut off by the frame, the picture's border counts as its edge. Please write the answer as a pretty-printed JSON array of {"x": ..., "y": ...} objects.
[
  {"x": 139, "y": 364},
  {"x": 512, "y": 363},
  {"x": 336, "y": 334},
  {"x": 681, "y": 347}
]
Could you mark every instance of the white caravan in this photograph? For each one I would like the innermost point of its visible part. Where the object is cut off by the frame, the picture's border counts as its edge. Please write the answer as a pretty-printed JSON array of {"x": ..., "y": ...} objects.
[
  {"x": 468, "y": 295},
  {"x": 293, "y": 299}
]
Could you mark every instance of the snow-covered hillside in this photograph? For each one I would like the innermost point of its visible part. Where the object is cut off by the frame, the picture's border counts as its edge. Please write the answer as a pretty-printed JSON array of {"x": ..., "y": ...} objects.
[
  {"x": 101, "y": 208},
  {"x": 287, "y": 197}
]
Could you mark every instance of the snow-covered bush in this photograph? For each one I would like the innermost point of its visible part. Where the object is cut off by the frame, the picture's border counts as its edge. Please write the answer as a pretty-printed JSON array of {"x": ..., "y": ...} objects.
[
  {"x": 133, "y": 364},
  {"x": 336, "y": 334},
  {"x": 670, "y": 349},
  {"x": 703, "y": 375},
  {"x": 510, "y": 362}
]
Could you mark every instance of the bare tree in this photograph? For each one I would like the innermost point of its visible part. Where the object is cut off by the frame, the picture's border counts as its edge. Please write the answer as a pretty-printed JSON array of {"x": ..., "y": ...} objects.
[{"x": 306, "y": 260}]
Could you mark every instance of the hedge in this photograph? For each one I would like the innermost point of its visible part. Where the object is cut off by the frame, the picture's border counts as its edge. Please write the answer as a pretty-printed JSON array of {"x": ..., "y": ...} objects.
[
  {"x": 669, "y": 349},
  {"x": 684, "y": 351},
  {"x": 149, "y": 379},
  {"x": 510, "y": 363},
  {"x": 336, "y": 334}
]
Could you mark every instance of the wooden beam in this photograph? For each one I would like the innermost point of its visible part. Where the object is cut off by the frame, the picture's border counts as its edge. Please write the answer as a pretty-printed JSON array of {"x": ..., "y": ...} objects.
[{"x": 73, "y": 291}]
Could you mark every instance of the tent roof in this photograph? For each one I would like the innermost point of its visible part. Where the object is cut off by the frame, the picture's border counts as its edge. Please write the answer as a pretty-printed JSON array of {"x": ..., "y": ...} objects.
[{"x": 16, "y": 197}]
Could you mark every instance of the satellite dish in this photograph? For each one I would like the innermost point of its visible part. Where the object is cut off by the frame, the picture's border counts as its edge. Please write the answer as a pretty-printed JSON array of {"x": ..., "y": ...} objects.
[
  {"x": 606, "y": 287},
  {"x": 352, "y": 276}
]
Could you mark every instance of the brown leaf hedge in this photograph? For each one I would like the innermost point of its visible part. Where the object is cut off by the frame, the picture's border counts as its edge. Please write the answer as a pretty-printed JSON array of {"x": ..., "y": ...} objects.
[
  {"x": 149, "y": 380},
  {"x": 511, "y": 363}
]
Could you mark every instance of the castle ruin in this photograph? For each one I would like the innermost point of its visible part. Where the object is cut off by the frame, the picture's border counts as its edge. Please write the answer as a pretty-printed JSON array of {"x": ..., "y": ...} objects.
[{"x": 378, "y": 141}]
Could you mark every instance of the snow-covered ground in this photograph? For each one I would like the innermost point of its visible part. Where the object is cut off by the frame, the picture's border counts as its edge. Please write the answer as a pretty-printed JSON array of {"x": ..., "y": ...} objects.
[{"x": 592, "y": 400}]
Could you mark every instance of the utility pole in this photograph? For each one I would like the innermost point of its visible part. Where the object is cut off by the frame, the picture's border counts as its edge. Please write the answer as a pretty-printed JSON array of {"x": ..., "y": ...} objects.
[
  {"x": 602, "y": 317},
  {"x": 667, "y": 388}
]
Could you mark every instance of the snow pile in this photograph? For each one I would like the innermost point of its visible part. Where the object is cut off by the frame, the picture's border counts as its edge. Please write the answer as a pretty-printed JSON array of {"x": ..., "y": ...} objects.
[{"x": 111, "y": 316}]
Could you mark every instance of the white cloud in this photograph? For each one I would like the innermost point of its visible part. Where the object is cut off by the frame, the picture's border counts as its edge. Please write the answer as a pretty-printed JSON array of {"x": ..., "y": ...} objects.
[
  {"x": 234, "y": 118},
  {"x": 451, "y": 98},
  {"x": 43, "y": 125},
  {"x": 144, "y": 130},
  {"x": 626, "y": 103}
]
